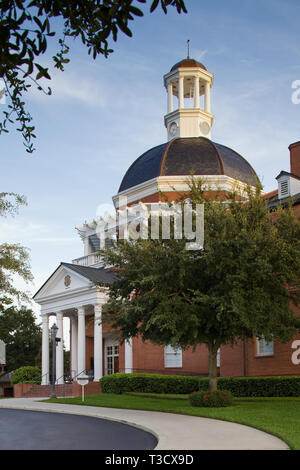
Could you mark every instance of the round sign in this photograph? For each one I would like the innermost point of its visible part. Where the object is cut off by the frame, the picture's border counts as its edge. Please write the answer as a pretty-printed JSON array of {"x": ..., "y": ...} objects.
[{"x": 83, "y": 379}]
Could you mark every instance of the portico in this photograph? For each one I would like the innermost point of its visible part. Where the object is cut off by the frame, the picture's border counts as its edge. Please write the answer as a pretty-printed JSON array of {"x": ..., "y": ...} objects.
[{"x": 78, "y": 293}]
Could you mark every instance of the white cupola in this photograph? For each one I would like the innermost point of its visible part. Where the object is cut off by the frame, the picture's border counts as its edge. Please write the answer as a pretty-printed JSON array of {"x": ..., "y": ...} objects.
[{"x": 190, "y": 115}]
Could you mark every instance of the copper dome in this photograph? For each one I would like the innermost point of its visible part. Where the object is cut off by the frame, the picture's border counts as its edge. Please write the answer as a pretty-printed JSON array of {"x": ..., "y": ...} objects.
[
  {"x": 187, "y": 63},
  {"x": 184, "y": 155}
]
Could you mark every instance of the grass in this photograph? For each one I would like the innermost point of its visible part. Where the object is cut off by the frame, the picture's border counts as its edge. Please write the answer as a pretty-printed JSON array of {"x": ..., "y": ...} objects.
[{"x": 277, "y": 416}]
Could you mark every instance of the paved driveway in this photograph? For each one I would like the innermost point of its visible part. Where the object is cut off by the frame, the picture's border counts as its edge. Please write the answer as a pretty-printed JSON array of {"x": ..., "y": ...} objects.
[
  {"x": 172, "y": 430},
  {"x": 34, "y": 430}
]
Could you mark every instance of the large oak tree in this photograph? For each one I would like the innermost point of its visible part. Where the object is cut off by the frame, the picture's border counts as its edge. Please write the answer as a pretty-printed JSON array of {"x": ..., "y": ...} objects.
[{"x": 240, "y": 285}]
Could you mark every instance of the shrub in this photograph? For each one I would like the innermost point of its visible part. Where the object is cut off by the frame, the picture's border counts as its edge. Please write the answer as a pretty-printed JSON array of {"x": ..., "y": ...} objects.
[
  {"x": 148, "y": 383},
  {"x": 211, "y": 399},
  {"x": 287, "y": 386},
  {"x": 27, "y": 375},
  {"x": 277, "y": 386}
]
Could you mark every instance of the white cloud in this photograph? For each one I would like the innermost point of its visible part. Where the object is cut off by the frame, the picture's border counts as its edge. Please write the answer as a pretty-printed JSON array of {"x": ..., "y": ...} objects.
[
  {"x": 27, "y": 232},
  {"x": 75, "y": 86}
]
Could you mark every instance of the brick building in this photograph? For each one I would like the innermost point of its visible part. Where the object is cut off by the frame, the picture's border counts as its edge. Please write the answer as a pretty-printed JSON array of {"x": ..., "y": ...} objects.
[{"x": 71, "y": 291}]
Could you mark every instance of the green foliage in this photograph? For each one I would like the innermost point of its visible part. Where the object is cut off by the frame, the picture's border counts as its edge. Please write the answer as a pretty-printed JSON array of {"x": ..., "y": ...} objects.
[
  {"x": 148, "y": 383},
  {"x": 233, "y": 289},
  {"x": 27, "y": 375},
  {"x": 286, "y": 386},
  {"x": 10, "y": 202},
  {"x": 211, "y": 399},
  {"x": 14, "y": 259},
  {"x": 27, "y": 26},
  {"x": 21, "y": 335}
]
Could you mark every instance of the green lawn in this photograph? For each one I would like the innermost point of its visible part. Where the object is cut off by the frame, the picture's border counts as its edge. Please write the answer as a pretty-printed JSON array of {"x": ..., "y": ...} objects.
[{"x": 278, "y": 416}]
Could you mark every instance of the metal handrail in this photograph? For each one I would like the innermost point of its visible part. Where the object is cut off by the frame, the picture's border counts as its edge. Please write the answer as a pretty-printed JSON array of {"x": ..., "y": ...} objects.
[
  {"x": 79, "y": 373},
  {"x": 45, "y": 375},
  {"x": 56, "y": 380}
]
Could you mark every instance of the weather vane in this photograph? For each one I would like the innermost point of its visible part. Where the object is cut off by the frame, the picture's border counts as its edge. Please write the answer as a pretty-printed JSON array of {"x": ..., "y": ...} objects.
[{"x": 188, "y": 48}]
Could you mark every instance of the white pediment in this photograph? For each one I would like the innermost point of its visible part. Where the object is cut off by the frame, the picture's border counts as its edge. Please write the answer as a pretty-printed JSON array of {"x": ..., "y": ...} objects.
[{"x": 64, "y": 281}]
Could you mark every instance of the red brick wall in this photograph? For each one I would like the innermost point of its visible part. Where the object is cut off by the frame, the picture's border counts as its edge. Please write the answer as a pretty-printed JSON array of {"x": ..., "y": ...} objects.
[
  {"x": 148, "y": 357},
  {"x": 232, "y": 360},
  {"x": 240, "y": 360},
  {"x": 71, "y": 390},
  {"x": 175, "y": 195}
]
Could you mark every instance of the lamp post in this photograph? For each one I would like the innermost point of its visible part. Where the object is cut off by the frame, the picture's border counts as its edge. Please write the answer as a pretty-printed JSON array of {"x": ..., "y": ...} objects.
[{"x": 55, "y": 340}]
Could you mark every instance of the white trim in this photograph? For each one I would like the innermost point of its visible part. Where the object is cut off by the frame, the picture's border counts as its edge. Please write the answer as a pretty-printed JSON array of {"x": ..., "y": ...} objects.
[
  {"x": 88, "y": 294},
  {"x": 128, "y": 356},
  {"x": 52, "y": 279},
  {"x": 112, "y": 342},
  {"x": 177, "y": 183}
]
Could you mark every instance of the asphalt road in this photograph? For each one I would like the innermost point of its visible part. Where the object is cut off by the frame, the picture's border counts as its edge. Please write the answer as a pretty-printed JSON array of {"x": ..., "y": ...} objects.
[{"x": 34, "y": 430}]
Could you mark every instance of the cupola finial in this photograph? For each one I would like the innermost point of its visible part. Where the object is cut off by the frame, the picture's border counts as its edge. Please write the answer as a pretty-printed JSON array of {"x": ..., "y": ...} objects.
[{"x": 188, "y": 48}]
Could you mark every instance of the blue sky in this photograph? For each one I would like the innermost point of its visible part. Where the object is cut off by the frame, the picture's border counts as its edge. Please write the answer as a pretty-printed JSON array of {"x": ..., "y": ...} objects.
[{"x": 103, "y": 114}]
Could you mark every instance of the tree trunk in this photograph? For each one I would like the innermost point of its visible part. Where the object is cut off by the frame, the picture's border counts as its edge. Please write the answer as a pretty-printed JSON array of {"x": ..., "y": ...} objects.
[{"x": 212, "y": 367}]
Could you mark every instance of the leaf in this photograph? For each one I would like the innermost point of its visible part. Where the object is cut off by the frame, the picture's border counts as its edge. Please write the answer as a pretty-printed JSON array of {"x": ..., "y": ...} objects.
[
  {"x": 38, "y": 22},
  {"x": 136, "y": 11},
  {"x": 154, "y": 5},
  {"x": 123, "y": 27}
]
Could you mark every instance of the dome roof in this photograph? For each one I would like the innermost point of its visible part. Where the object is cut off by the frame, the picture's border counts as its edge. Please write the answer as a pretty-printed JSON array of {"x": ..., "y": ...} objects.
[
  {"x": 187, "y": 63},
  {"x": 181, "y": 156}
]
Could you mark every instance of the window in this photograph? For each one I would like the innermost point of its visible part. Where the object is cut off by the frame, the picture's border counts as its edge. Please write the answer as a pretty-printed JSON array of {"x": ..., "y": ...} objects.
[
  {"x": 173, "y": 357},
  {"x": 264, "y": 348},
  {"x": 112, "y": 359}
]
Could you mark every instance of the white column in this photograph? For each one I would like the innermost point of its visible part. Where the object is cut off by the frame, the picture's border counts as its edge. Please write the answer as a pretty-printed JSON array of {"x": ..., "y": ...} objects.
[
  {"x": 170, "y": 97},
  {"x": 207, "y": 97},
  {"x": 45, "y": 350},
  {"x": 81, "y": 341},
  {"x": 60, "y": 348},
  {"x": 196, "y": 93},
  {"x": 98, "y": 369},
  {"x": 74, "y": 344},
  {"x": 128, "y": 356},
  {"x": 181, "y": 92}
]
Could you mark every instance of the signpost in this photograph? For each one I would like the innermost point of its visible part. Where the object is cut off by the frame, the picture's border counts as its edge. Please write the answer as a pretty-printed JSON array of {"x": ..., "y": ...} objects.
[{"x": 83, "y": 380}]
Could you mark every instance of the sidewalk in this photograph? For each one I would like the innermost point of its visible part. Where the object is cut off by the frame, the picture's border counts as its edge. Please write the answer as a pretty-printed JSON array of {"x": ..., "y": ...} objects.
[{"x": 173, "y": 431}]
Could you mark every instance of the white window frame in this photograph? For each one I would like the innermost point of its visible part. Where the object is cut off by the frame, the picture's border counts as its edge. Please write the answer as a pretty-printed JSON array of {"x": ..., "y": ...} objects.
[
  {"x": 172, "y": 357},
  {"x": 114, "y": 352},
  {"x": 262, "y": 347}
]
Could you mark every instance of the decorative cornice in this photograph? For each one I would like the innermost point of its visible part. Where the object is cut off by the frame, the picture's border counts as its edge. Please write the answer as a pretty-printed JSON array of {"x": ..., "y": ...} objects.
[{"x": 178, "y": 184}]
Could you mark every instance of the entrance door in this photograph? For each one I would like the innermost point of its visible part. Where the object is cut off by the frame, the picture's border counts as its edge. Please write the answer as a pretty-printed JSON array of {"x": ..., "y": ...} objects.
[{"x": 116, "y": 364}]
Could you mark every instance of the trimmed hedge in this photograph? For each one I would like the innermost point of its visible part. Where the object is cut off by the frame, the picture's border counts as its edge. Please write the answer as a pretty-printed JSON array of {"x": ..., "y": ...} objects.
[
  {"x": 27, "y": 375},
  {"x": 148, "y": 383},
  {"x": 286, "y": 386}
]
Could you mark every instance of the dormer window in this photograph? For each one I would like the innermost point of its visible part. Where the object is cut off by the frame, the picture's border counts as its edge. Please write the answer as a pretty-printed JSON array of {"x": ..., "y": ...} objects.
[{"x": 288, "y": 184}]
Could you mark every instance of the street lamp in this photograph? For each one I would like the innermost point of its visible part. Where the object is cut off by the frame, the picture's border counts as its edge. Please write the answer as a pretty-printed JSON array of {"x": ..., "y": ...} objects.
[{"x": 54, "y": 330}]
